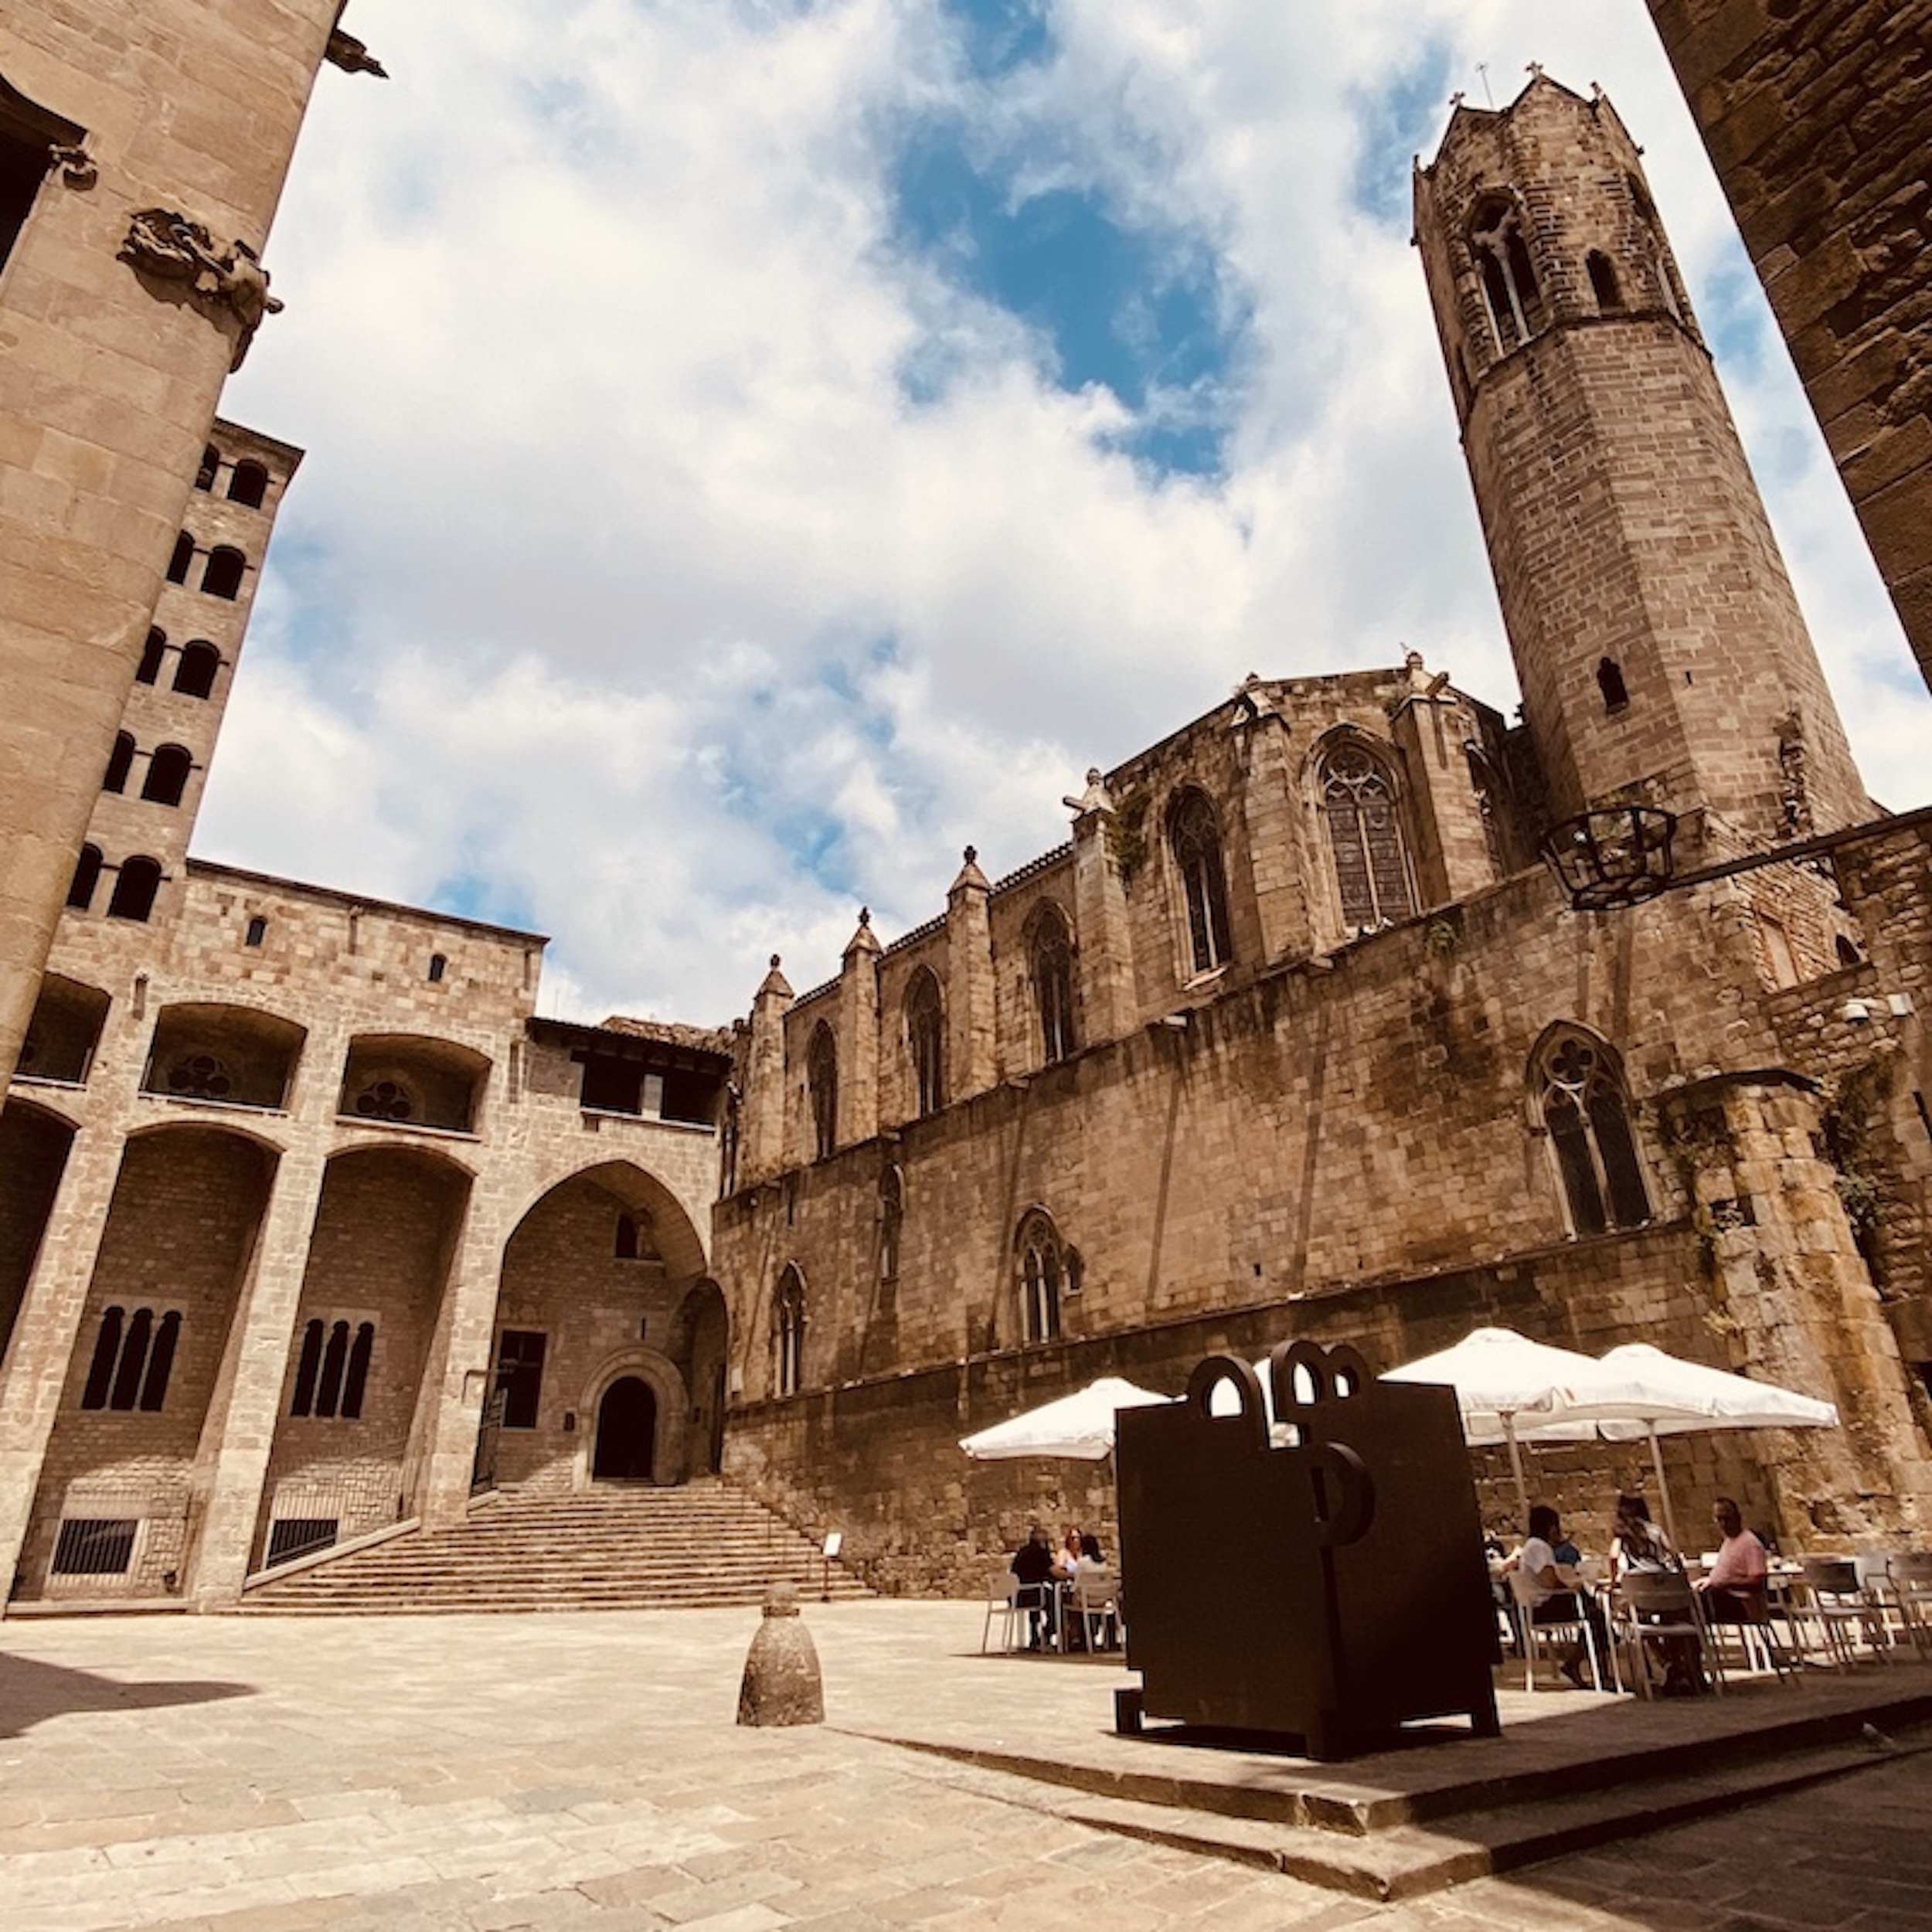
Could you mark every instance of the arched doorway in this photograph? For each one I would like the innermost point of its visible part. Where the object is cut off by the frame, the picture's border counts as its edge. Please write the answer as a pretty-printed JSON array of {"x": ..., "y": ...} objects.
[{"x": 627, "y": 1431}]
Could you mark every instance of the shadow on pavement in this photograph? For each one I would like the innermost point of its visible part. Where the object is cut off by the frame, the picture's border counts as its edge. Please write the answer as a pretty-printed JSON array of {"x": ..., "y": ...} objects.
[{"x": 31, "y": 1692}]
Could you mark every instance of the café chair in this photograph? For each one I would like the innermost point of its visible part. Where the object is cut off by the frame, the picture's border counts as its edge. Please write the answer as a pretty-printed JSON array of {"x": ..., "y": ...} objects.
[
  {"x": 1096, "y": 1602},
  {"x": 1910, "y": 1580},
  {"x": 1653, "y": 1608},
  {"x": 1002, "y": 1607},
  {"x": 1844, "y": 1614},
  {"x": 1570, "y": 1630}
]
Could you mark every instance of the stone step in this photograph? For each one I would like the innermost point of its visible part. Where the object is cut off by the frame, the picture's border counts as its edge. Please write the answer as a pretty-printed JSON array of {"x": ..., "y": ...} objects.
[
  {"x": 1409, "y": 1862},
  {"x": 702, "y": 1544}
]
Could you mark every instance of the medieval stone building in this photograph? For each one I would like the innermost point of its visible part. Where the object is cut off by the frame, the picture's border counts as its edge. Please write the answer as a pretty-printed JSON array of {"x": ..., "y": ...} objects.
[
  {"x": 1295, "y": 1037},
  {"x": 311, "y": 1227}
]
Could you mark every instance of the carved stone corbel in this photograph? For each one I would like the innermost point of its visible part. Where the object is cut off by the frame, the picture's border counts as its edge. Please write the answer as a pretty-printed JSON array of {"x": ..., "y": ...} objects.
[{"x": 164, "y": 244}]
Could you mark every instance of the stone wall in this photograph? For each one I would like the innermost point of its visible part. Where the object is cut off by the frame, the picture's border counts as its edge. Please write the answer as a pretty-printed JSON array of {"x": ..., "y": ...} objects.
[
  {"x": 111, "y": 381},
  {"x": 1814, "y": 117}
]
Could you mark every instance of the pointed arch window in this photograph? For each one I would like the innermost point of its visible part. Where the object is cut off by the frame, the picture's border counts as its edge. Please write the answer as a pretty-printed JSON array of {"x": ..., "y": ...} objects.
[
  {"x": 925, "y": 1041},
  {"x": 822, "y": 1089},
  {"x": 1050, "y": 953},
  {"x": 1580, "y": 1095},
  {"x": 1046, "y": 1270},
  {"x": 1365, "y": 839},
  {"x": 1194, "y": 838},
  {"x": 1510, "y": 293},
  {"x": 788, "y": 1332}
]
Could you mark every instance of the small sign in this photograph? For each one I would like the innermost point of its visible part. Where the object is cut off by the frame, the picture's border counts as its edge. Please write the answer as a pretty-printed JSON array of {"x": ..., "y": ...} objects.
[{"x": 834, "y": 1538}]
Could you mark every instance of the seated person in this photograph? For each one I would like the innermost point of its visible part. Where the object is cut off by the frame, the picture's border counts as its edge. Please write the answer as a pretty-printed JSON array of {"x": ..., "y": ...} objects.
[
  {"x": 1091, "y": 1563},
  {"x": 1734, "y": 1589},
  {"x": 1551, "y": 1600},
  {"x": 1034, "y": 1566},
  {"x": 1640, "y": 1548}
]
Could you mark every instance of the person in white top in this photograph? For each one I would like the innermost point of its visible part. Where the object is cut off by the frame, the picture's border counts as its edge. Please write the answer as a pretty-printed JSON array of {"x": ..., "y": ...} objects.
[{"x": 1551, "y": 1600}]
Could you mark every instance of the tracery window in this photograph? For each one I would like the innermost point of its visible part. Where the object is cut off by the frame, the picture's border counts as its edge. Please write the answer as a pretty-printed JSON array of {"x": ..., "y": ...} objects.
[
  {"x": 822, "y": 1088},
  {"x": 1366, "y": 837},
  {"x": 788, "y": 1332},
  {"x": 133, "y": 1356},
  {"x": 925, "y": 1041},
  {"x": 387, "y": 1100},
  {"x": 1195, "y": 839},
  {"x": 200, "y": 1076},
  {"x": 1047, "y": 1269},
  {"x": 1580, "y": 1092},
  {"x": 1050, "y": 959},
  {"x": 1510, "y": 293}
]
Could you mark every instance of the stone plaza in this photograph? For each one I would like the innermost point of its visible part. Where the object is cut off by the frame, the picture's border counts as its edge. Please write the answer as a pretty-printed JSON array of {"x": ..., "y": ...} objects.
[{"x": 556, "y": 1770}]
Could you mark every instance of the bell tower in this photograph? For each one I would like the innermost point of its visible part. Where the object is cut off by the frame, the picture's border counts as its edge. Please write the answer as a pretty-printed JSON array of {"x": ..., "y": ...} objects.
[{"x": 1660, "y": 651}]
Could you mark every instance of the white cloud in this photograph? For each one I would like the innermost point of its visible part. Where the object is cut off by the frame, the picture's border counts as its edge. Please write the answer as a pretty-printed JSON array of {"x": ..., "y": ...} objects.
[{"x": 623, "y": 583}]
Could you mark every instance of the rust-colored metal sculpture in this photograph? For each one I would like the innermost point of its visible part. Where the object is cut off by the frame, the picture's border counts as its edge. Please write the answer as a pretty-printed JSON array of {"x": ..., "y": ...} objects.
[{"x": 1321, "y": 1583}]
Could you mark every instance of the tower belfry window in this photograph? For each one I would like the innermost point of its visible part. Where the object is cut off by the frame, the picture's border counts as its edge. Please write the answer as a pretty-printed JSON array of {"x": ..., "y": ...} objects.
[
  {"x": 1602, "y": 281},
  {"x": 1510, "y": 293}
]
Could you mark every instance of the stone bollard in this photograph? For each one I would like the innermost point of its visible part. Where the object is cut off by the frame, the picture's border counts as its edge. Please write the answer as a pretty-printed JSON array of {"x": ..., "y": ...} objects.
[{"x": 781, "y": 1684}]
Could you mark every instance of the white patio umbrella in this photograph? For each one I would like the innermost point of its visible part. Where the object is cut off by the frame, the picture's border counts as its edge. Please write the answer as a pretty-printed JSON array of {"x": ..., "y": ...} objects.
[
  {"x": 1642, "y": 1391},
  {"x": 1079, "y": 1426},
  {"x": 1509, "y": 1388}
]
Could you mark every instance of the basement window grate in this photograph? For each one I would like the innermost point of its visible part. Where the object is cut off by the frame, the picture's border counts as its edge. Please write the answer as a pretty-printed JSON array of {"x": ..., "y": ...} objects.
[
  {"x": 295, "y": 1536},
  {"x": 95, "y": 1547}
]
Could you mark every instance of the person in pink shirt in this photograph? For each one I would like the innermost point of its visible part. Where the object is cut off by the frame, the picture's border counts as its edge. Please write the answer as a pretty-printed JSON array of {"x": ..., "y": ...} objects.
[{"x": 1734, "y": 1589}]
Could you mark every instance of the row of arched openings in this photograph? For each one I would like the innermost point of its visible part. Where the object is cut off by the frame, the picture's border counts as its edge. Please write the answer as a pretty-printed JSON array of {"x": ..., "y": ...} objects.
[
  {"x": 137, "y": 881},
  {"x": 331, "y": 1369},
  {"x": 247, "y": 482},
  {"x": 169, "y": 768},
  {"x": 133, "y": 1357},
  {"x": 194, "y": 674},
  {"x": 221, "y": 576}
]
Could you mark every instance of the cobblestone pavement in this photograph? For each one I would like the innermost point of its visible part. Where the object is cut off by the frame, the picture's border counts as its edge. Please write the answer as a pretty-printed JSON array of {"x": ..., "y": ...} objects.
[{"x": 492, "y": 1773}]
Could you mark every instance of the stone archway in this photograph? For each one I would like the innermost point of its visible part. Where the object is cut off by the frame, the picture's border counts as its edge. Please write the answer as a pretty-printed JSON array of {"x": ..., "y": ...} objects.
[{"x": 627, "y": 1437}]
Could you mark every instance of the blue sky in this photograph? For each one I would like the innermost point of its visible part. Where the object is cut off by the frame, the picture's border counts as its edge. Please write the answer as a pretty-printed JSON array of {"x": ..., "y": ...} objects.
[{"x": 755, "y": 450}]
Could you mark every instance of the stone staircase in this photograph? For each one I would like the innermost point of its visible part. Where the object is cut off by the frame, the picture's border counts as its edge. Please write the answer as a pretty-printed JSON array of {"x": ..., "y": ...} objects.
[{"x": 705, "y": 1543}]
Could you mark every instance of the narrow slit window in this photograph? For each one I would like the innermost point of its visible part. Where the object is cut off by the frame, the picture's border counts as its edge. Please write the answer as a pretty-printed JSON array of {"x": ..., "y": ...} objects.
[{"x": 1610, "y": 682}]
